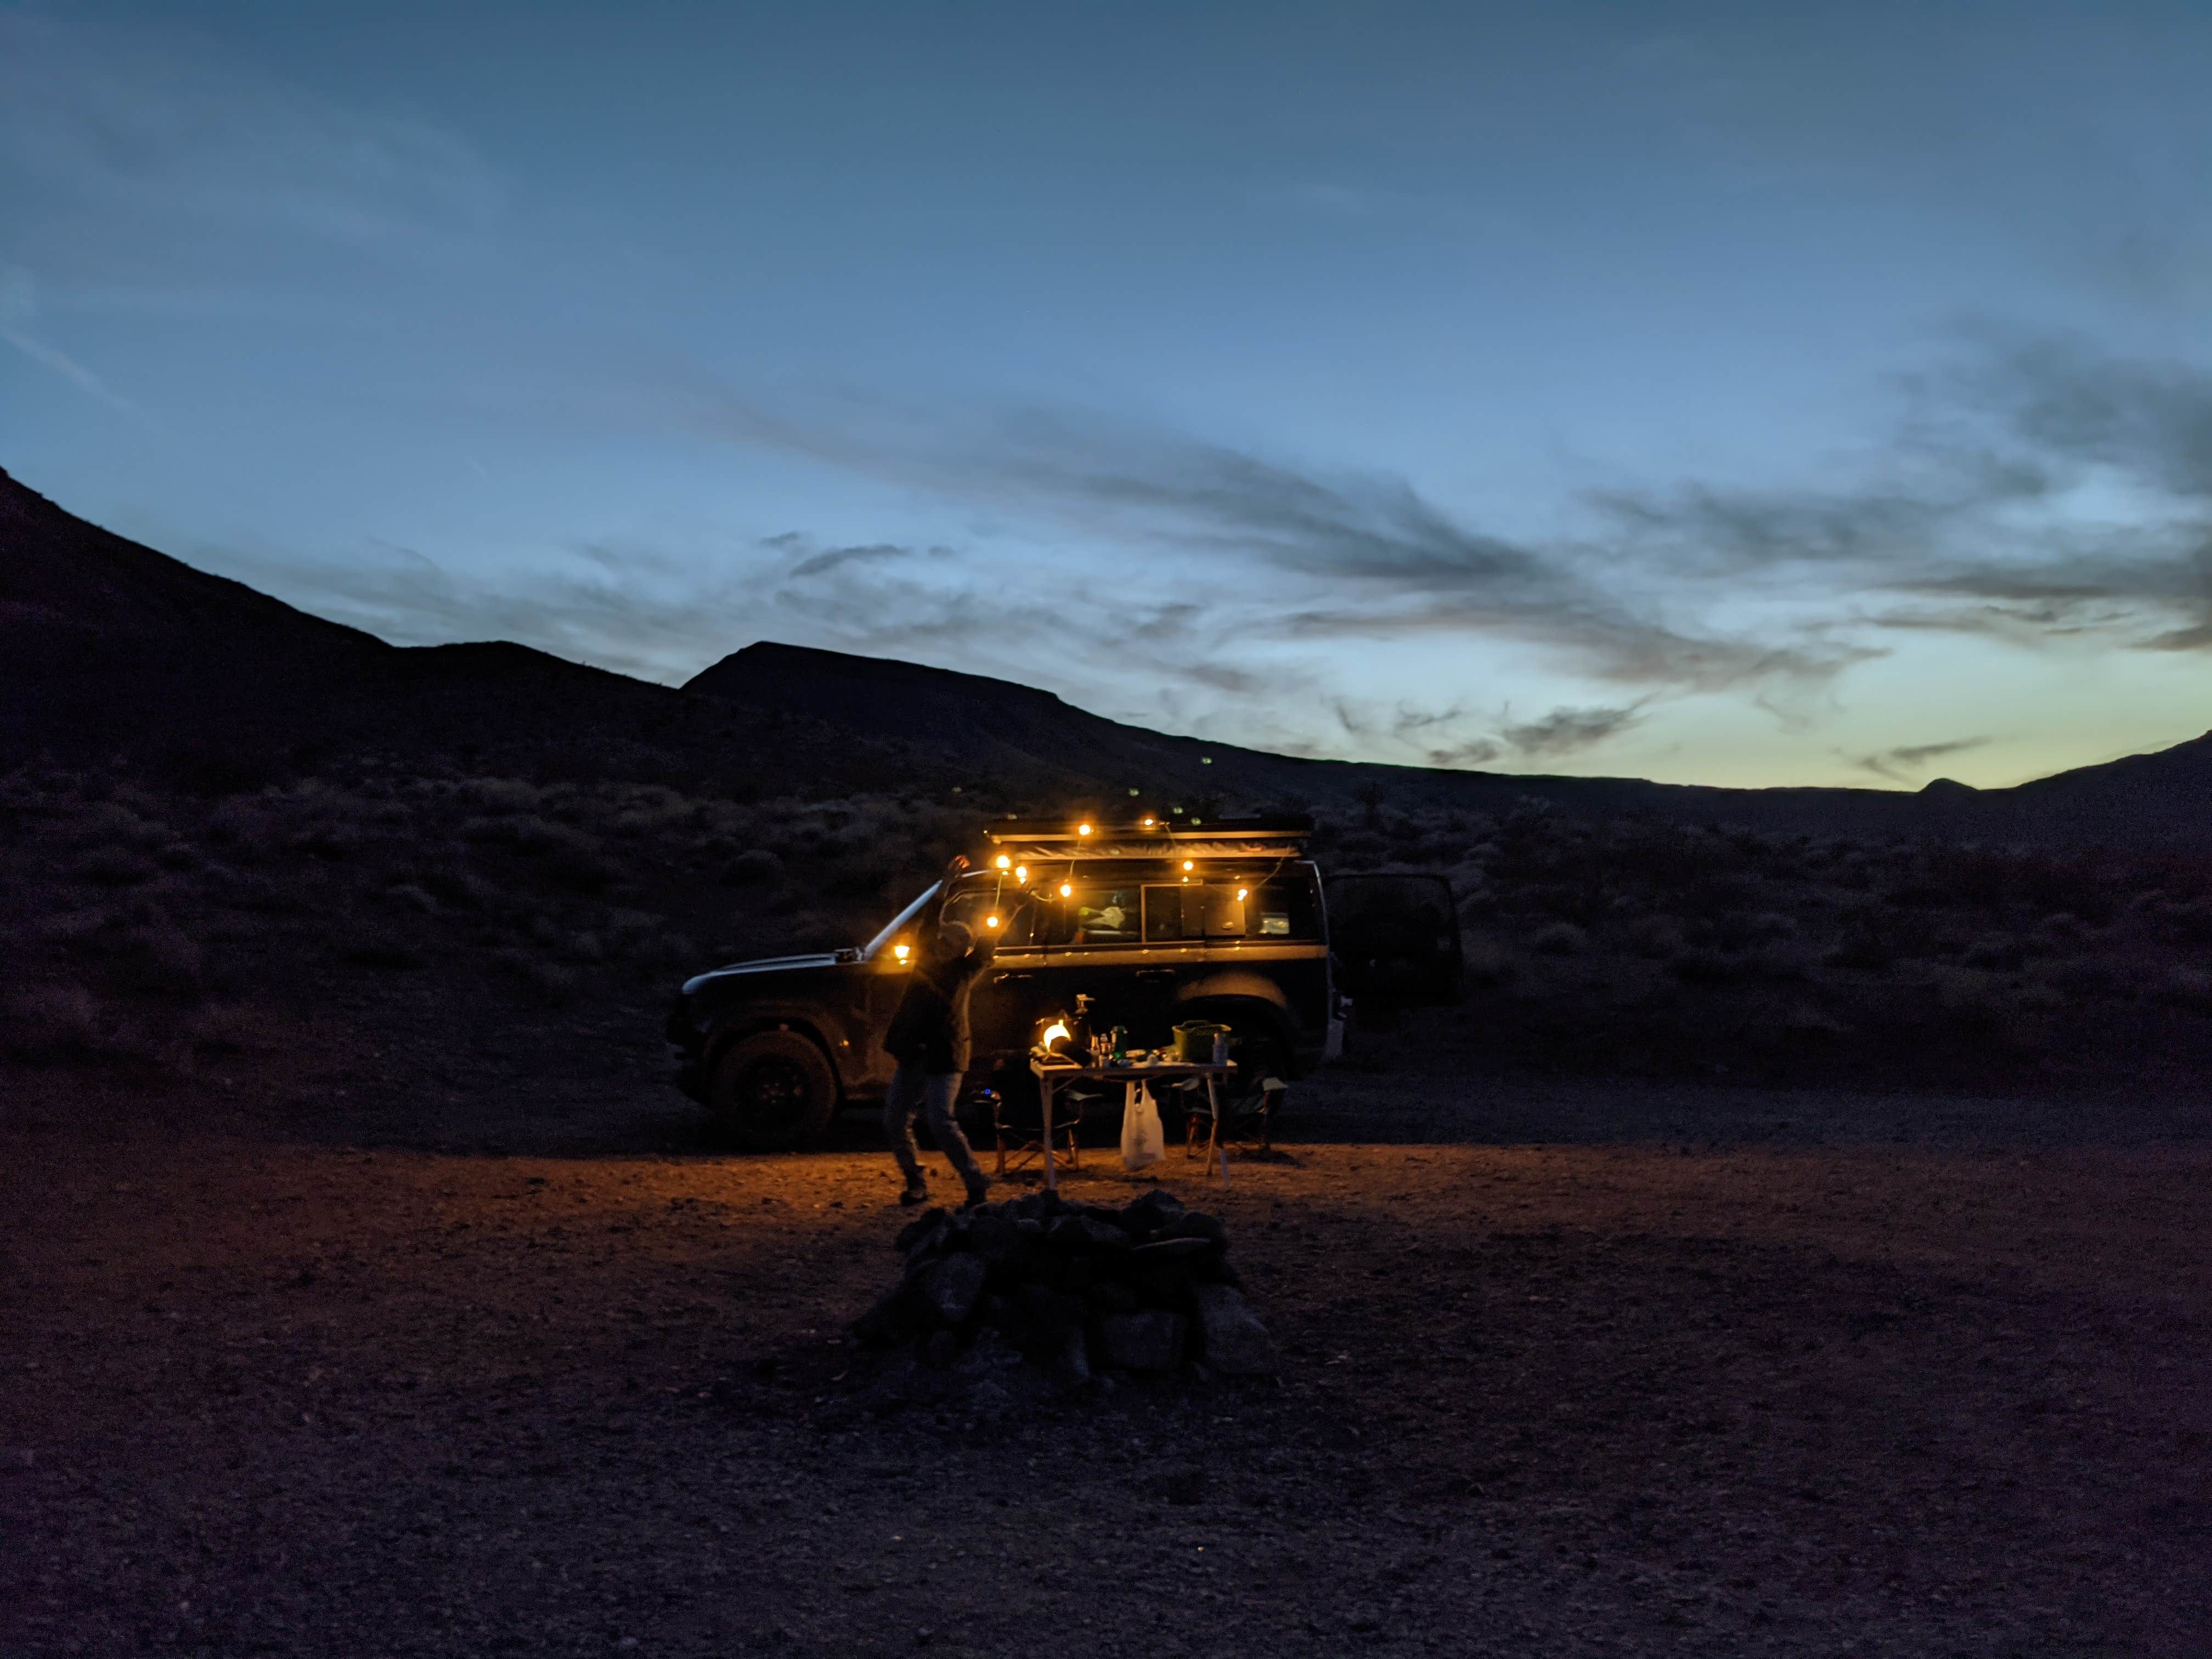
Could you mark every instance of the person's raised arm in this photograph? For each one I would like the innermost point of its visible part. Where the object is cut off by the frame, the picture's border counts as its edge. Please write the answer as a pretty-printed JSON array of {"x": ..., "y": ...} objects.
[{"x": 933, "y": 914}]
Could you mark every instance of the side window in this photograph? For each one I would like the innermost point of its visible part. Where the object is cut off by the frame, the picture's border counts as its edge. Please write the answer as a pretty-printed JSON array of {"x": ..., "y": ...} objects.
[
  {"x": 1008, "y": 916},
  {"x": 1230, "y": 909},
  {"x": 1089, "y": 913}
]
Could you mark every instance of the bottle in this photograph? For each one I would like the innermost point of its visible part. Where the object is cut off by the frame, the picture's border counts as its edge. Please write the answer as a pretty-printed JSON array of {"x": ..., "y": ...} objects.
[
  {"x": 1121, "y": 1043},
  {"x": 1221, "y": 1047}
]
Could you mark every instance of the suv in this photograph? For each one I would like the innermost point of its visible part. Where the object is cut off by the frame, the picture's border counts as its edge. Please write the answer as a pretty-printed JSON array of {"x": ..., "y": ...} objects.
[{"x": 1154, "y": 923}]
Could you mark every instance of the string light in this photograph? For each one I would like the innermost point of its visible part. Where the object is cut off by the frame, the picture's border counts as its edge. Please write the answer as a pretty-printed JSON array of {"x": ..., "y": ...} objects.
[
  {"x": 899, "y": 951},
  {"x": 1082, "y": 828},
  {"x": 1021, "y": 873},
  {"x": 1067, "y": 890},
  {"x": 1004, "y": 862},
  {"x": 990, "y": 921}
]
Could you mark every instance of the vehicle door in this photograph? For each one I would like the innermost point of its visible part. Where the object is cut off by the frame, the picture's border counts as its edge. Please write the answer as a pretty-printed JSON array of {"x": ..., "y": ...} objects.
[
  {"x": 1396, "y": 936},
  {"x": 1090, "y": 922}
]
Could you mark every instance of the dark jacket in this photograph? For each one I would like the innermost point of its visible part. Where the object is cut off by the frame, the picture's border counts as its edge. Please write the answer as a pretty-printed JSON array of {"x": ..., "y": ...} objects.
[{"x": 930, "y": 1029}]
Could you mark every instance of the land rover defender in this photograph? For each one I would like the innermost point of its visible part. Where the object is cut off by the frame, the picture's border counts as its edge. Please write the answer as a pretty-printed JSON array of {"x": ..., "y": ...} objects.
[{"x": 1153, "y": 922}]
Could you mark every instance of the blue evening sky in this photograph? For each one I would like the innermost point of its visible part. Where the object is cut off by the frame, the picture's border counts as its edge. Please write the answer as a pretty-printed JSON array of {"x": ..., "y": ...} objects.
[{"x": 1735, "y": 394}]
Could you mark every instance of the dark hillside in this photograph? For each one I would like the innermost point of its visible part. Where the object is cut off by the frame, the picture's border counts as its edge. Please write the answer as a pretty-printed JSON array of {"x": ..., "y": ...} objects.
[{"x": 111, "y": 650}]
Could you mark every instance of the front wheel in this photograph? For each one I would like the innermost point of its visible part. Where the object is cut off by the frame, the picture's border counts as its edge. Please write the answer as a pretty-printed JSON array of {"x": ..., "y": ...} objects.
[{"x": 772, "y": 1091}]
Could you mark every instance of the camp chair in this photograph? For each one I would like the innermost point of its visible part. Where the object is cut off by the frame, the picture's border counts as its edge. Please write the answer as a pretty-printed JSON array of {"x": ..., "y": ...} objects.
[
  {"x": 1017, "y": 1127},
  {"x": 1243, "y": 1115}
]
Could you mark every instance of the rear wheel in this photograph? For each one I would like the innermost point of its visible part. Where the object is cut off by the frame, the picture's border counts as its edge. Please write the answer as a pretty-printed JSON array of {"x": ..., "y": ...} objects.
[{"x": 772, "y": 1089}]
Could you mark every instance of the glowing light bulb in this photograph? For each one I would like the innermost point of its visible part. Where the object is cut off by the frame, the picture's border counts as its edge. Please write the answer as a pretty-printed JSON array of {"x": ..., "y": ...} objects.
[
  {"x": 1067, "y": 890},
  {"x": 1056, "y": 1032},
  {"x": 1082, "y": 828},
  {"x": 1004, "y": 862},
  {"x": 1188, "y": 865},
  {"x": 900, "y": 951},
  {"x": 990, "y": 921},
  {"x": 1240, "y": 892},
  {"x": 1148, "y": 823},
  {"x": 1021, "y": 873}
]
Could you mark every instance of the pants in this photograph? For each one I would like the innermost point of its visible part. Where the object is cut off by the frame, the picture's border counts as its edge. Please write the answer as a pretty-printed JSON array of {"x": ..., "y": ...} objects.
[{"x": 912, "y": 1090}]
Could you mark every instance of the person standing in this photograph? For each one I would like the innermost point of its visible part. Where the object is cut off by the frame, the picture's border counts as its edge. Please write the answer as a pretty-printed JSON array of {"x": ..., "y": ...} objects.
[{"x": 928, "y": 1036}]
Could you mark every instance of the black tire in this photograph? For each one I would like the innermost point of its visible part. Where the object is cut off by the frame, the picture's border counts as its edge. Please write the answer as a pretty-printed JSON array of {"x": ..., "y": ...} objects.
[{"x": 772, "y": 1091}]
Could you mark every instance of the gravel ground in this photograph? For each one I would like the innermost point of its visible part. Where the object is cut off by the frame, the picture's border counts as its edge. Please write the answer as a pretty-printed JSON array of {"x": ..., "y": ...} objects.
[{"x": 1571, "y": 1370}]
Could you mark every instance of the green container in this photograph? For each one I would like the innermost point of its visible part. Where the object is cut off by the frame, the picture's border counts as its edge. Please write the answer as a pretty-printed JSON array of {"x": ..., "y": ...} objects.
[{"x": 1194, "y": 1041}]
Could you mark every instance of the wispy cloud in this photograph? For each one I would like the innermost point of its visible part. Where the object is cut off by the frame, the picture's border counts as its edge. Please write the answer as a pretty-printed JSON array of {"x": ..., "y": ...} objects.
[
  {"x": 19, "y": 312},
  {"x": 156, "y": 127},
  {"x": 1907, "y": 761}
]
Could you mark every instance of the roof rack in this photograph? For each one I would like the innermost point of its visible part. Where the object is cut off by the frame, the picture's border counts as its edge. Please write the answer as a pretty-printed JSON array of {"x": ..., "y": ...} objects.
[{"x": 1039, "y": 840}]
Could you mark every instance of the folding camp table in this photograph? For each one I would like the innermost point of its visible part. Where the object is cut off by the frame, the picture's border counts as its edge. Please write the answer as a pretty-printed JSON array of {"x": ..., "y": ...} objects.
[{"x": 1133, "y": 1075}]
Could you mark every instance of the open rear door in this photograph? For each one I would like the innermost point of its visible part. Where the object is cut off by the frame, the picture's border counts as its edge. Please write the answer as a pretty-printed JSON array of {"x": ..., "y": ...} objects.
[{"x": 1396, "y": 936}]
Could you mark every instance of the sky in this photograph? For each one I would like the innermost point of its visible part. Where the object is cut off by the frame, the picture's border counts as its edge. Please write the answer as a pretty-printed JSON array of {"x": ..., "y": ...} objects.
[{"x": 1734, "y": 394}]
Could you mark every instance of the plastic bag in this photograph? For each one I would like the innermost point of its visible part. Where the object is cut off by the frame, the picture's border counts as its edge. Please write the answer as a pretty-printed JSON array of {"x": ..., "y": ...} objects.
[{"x": 1143, "y": 1141}]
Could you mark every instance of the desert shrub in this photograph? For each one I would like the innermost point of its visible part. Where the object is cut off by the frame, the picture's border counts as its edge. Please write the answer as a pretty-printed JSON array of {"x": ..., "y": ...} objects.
[
  {"x": 1486, "y": 964},
  {"x": 179, "y": 857},
  {"x": 1655, "y": 937},
  {"x": 1704, "y": 965},
  {"x": 382, "y": 949},
  {"x": 498, "y": 797},
  {"x": 457, "y": 885},
  {"x": 749, "y": 868},
  {"x": 113, "y": 866},
  {"x": 1558, "y": 938},
  {"x": 2190, "y": 923},
  {"x": 2191, "y": 989},
  {"x": 2093, "y": 976},
  {"x": 228, "y": 1029},
  {"x": 50, "y": 1022},
  {"x": 577, "y": 865},
  {"x": 326, "y": 839},
  {"x": 157, "y": 959},
  {"x": 2001, "y": 952},
  {"x": 111, "y": 823},
  {"x": 525, "y": 833},
  {"x": 544, "y": 982}
]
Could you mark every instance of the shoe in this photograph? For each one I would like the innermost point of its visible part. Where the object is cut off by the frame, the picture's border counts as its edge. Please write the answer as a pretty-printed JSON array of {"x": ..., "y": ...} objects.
[
  {"x": 916, "y": 1193},
  {"x": 979, "y": 1191}
]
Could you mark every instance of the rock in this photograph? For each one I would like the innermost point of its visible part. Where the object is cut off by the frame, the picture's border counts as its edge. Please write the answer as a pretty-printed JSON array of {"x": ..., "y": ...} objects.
[
  {"x": 1112, "y": 1297},
  {"x": 1074, "y": 1362},
  {"x": 1163, "y": 1284},
  {"x": 1001, "y": 1246},
  {"x": 1167, "y": 1249},
  {"x": 940, "y": 1350},
  {"x": 1192, "y": 1223},
  {"x": 1235, "y": 1343},
  {"x": 1150, "y": 1340},
  {"x": 1086, "y": 1232},
  {"x": 897, "y": 1317},
  {"x": 952, "y": 1286},
  {"x": 923, "y": 1227},
  {"x": 1141, "y": 1218},
  {"x": 1029, "y": 1226},
  {"x": 1042, "y": 1319}
]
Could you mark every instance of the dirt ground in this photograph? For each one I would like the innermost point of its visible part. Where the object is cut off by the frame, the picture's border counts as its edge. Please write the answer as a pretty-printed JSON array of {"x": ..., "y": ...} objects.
[{"x": 1570, "y": 1369}]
